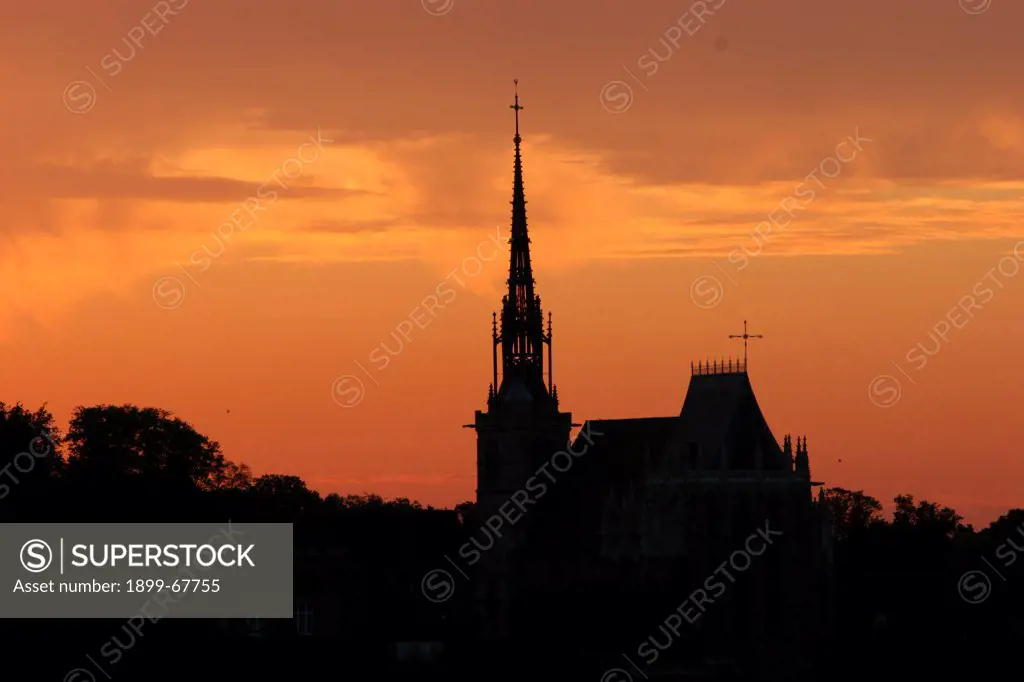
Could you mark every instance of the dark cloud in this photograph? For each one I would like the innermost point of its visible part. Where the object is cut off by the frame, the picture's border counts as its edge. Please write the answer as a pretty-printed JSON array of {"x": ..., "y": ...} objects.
[{"x": 795, "y": 79}]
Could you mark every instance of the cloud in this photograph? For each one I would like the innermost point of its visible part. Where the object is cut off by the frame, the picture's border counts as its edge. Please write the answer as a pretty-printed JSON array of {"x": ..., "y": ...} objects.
[
  {"x": 420, "y": 161},
  {"x": 134, "y": 180}
]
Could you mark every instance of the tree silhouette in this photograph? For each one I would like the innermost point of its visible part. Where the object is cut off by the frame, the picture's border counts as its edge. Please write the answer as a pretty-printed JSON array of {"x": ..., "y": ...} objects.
[
  {"x": 925, "y": 516},
  {"x": 232, "y": 476},
  {"x": 851, "y": 511},
  {"x": 285, "y": 497},
  {"x": 1009, "y": 525},
  {"x": 466, "y": 511},
  {"x": 31, "y": 459},
  {"x": 118, "y": 442}
]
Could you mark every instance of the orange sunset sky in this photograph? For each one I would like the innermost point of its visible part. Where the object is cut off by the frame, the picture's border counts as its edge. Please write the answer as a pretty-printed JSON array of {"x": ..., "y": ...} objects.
[{"x": 642, "y": 177}]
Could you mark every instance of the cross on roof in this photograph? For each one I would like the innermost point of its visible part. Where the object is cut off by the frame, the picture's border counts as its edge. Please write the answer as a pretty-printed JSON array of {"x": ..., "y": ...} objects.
[
  {"x": 745, "y": 336},
  {"x": 516, "y": 106}
]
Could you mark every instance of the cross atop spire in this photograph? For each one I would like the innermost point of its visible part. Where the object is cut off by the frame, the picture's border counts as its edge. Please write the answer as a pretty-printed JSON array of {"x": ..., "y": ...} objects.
[
  {"x": 745, "y": 336},
  {"x": 517, "y": 108}
]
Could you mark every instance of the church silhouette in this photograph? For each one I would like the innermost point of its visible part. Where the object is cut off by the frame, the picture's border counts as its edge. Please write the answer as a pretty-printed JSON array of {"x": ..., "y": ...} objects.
[{"x": 603, "y": 537}]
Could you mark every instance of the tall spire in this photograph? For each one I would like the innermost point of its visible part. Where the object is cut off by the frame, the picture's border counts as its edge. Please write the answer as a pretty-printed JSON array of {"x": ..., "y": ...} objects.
[
  {"x": 520, "y": 270},
  {"x": 522, "y": 336}
]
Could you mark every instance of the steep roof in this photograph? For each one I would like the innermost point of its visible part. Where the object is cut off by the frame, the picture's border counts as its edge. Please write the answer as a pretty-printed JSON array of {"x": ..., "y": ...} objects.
[{"x": 720, "y": 415}]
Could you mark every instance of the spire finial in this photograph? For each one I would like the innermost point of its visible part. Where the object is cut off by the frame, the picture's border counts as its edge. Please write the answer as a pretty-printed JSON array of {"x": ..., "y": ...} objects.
[{"x": 517, "y": 108}]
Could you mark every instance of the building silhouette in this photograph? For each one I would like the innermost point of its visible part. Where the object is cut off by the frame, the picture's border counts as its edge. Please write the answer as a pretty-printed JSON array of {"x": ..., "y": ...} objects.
[
  {"x": 633, "y": 517},
  {"x": 522, "y": 425}
]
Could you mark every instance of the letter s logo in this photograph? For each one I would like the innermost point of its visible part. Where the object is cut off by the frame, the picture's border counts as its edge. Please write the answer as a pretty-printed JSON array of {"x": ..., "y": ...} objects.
[{"x": 36, "y": 556}]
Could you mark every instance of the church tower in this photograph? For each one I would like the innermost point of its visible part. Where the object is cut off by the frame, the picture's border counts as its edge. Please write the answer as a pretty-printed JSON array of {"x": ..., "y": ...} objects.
[{"x": 522, "y": 426}]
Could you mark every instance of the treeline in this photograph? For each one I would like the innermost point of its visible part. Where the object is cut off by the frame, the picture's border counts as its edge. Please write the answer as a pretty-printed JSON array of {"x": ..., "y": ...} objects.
[
  {"x": 123, "y": 463},
  {"x": 908, "y": 590},
  {"x": 920, "y": 592}
]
